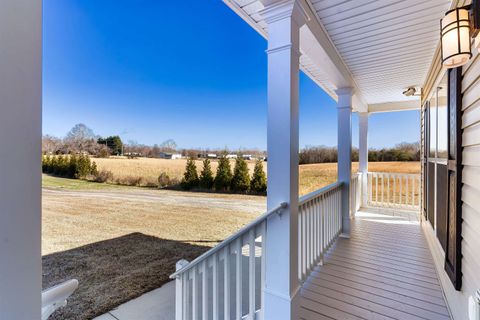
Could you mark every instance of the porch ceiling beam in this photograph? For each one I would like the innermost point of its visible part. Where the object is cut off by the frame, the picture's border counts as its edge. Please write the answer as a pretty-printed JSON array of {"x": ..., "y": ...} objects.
[{"x": 394, "y": 106}]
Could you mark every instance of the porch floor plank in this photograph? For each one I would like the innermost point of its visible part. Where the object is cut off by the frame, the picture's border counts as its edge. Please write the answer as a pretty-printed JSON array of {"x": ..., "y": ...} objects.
[{"x": 384, "y": 271}]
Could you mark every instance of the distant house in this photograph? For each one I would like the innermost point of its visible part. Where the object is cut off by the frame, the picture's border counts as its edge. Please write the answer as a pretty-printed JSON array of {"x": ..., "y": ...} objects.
[
  {"x": 170, "y": 156},
  {"x": 132, "y": 154},
  {"x": 207, "y": 155}
]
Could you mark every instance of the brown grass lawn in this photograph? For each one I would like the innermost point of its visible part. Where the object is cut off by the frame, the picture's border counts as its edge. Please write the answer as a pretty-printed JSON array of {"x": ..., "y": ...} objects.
[{"x": 120, "y": 242}]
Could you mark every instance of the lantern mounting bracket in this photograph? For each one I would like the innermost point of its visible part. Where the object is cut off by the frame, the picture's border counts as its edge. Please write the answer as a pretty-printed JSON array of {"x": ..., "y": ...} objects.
[{"x": 474, "y": 11}]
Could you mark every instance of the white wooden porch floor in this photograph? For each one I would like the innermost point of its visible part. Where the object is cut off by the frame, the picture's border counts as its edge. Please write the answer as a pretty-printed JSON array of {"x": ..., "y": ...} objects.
[{"x": 384, "y": 271}]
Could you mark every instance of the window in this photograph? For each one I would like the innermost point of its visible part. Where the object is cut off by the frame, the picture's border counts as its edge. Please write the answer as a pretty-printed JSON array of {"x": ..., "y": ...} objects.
[
  {"x": 442, "y": 121},
  {"x": 433, "y": 127},
  {"x": 439, "y": 121}
]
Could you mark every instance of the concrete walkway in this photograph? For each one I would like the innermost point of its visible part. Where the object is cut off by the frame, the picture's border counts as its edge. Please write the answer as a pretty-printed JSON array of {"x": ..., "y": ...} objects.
[{"x": 158, "y": 304}]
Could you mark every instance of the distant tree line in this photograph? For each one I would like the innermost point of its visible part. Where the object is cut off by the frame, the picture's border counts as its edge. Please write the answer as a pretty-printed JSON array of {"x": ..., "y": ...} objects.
[
  {"x": 401, "y": 152},
  {"x": 225, "y": 180},
  {"x": 82, "y": 140}
]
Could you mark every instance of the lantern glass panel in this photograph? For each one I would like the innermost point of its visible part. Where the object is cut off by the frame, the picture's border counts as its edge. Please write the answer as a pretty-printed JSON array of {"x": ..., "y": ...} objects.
[{"x": 455, "y": 34}]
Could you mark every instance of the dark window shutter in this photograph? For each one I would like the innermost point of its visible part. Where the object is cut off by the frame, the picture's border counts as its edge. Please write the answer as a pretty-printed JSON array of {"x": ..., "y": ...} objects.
[{"x": 453, "y": 252}]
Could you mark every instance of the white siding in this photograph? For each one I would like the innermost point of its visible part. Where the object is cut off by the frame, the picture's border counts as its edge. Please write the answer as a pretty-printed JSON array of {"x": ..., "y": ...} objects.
[
  {"x": 457, "y": 300},
  {"x": 471, "y": 178}
]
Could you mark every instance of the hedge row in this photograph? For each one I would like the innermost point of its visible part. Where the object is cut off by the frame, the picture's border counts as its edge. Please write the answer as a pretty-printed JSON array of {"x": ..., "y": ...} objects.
[
  {"x": 69, "y": 166},
  {"x": 224, "y": 180}
]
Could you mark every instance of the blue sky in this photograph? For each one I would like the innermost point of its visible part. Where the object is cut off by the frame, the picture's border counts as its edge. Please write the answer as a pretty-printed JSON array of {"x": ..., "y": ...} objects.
[{"x": 191, "y": 71}]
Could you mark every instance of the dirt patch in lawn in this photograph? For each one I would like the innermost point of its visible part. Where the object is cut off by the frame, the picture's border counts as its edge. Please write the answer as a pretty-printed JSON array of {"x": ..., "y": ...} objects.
[{"x": 114, "y": 271}]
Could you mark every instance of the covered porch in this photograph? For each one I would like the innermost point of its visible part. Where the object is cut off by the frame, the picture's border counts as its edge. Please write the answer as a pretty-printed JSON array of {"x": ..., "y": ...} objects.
[
  {"x": 327, "y": 255},
  {"x": 354, "y": 249}
]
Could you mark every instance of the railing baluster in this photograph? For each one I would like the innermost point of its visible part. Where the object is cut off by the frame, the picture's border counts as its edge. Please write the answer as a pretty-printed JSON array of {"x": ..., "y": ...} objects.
[
  {"x": 383, "y": 184},
  {"x": 251, "y": 277},
  {"x": 238, "y": 281},
  {"x": 304, "y": 244},
  {"x": 401, "y": 190},
  {"x": 388, "y": 188},
  {"x": 204, "y": 290},
  {"x": 312, "y": 228},
  {"x": 413, "y": 191},
  {"x": 194, "y": 294},
  {"x": 370, "y": 193},
  {"x": 215, "y": 287},
  {"x": 262, "y": 272},
  {"x": 185, "y": 295},
  {"x": 317, "y": 230},
  {"x": 300, "y": 247},
  {"x": 309, "y": 235},
  {"x": 226, "y": 284},
  {"x": 322, "y": 228},
  {"x": 406, "y": 190}
]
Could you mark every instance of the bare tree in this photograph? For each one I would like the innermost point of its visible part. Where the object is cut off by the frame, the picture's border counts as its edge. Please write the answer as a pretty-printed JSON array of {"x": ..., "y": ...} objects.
[
  {"x": 168, "y": 145},
  {"x": 80, "y": 132},
  {"x": 51, "y": 144}
]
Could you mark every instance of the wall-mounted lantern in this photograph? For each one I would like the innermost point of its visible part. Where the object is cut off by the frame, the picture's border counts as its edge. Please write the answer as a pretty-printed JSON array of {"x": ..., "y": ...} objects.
[{"x": 457, "y": 29}]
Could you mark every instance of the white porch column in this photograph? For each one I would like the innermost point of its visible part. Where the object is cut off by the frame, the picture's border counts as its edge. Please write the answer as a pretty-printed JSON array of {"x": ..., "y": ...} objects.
[
  {"x": 20, "y": 152},
  {"x": 363, "y": 153},
  {"x": 344, "y": 108},
  {"x": 281, "y": 286}
]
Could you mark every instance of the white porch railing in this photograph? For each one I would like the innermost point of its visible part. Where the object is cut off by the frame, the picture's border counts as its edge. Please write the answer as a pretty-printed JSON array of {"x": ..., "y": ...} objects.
[
  {"x": 394, "y": 190},
  {"x": 355, "y": 193},
  {"x": 226, "y": 280},
  {"x": 319, "y": 225}
]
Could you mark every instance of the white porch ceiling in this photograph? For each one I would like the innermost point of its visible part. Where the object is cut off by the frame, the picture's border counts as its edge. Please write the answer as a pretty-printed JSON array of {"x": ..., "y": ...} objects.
[{"x": 386, "y": 45}]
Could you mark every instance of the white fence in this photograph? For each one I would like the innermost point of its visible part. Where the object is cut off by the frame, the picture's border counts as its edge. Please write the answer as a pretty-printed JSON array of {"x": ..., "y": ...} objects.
[
  {"x": 319, "y": 224},
  {"x": 394, "y": 190}
]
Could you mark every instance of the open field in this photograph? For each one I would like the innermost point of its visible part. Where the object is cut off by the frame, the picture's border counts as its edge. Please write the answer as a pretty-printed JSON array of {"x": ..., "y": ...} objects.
[
  {"x": 315, "y": 176},
  {"x": 312, "y": 176},
  {"x": 120, "y": 241},
  {"x": 150, "y": 168}
]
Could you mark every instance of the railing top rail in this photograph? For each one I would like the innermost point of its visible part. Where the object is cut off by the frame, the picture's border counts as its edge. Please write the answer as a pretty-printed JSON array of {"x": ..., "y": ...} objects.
[
  {"x": 315, "y": 194},
  {"x": 396, "y": 173},
  {"x": 230, "y": 239}
]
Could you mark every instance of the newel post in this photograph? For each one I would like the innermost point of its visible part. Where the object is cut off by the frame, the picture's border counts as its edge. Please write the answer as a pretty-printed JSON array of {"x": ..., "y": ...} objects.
[
  {"x": 344, "y": 108},
  {"x": 363, "y": 154},
  {"x": 284, "y": 19},
  {"x": 179, "y": 290}
]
